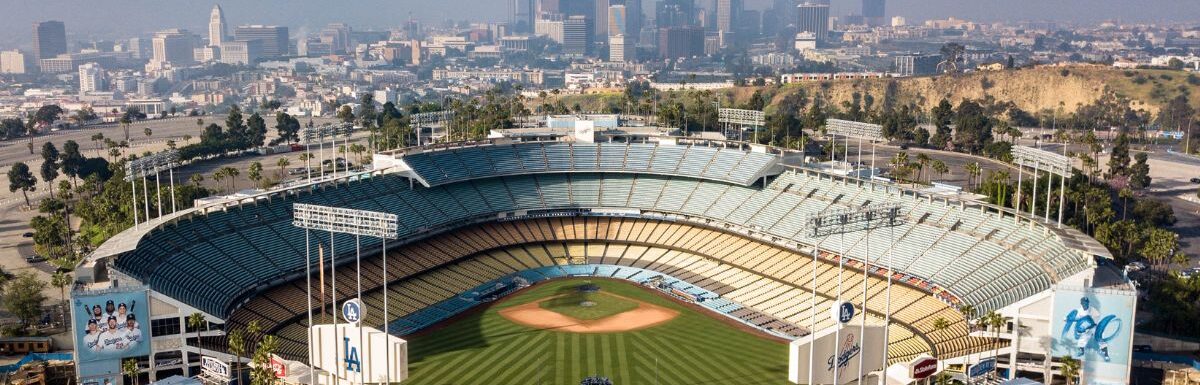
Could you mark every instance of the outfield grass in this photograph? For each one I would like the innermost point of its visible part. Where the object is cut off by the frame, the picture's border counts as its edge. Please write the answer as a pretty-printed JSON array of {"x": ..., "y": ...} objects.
[
  {"x": 693, "y": 348},
  {"x": 569, "y": 303}
]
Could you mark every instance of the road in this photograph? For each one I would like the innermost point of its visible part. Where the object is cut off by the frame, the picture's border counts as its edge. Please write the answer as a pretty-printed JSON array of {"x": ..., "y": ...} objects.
[{"x": 162, "y": 130}]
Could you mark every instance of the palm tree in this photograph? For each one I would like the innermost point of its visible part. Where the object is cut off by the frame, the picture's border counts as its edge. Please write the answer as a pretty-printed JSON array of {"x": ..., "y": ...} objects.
[
  {"x": 922, "y": 161},
  {"x": 254, "y": 174},
  {"x": 1070, "y": 369},
  {"x": 196, "y": 322},
  {"x": 995, "y": 321},
  {"x": 232, "y": 173},
  {"x": 940, "y": 324},
  {"x": 236, "y": 340},
  {"x": 218, "y": 176},
  {"x": 61, "y": 280},
  {"x": 196, "y": 179},
  {"x": 939, "y": 167},
  {"x": 129, "y": 368},
  {"x": 283, "y": 163},
  {"x": 973, "y": 172}
]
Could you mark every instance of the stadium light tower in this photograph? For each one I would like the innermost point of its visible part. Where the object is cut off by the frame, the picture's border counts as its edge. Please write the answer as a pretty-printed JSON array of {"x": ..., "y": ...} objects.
[
  {"x": 1055, "y": 164},
  {"x": 319, "y": 133},
  {"x": 420, "y": 119},
  {"x": 141, "y": 168},
  {"x": 741, "y": 118},
  {"x": 840, "y": 222},
  {"x": 850, "y": 129},
  {"x": 337, "y": 220}
]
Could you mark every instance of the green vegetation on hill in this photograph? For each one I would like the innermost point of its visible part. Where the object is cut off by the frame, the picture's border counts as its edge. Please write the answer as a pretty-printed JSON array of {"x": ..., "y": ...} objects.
[{"x": 694, "y": 348}]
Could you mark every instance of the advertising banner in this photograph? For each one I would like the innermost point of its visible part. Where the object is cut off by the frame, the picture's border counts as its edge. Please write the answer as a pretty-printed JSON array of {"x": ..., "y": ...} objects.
[
  {"x": 1095, "y": 327},
  {"x": 111, "y": 325}
]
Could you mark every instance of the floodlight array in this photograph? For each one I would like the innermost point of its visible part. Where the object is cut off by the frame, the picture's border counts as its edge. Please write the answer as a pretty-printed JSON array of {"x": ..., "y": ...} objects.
[
  {"x": 852, "y": 129},
  {"x": 346, "y": 221},
  {"x": 153, "y": 163},
  {"x": 743, "y": 117},
  {"x": 1025, "y": 156}
]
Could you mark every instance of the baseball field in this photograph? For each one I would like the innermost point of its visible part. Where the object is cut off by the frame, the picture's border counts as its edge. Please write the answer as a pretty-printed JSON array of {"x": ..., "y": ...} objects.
[{"x": 552, "y": 333}]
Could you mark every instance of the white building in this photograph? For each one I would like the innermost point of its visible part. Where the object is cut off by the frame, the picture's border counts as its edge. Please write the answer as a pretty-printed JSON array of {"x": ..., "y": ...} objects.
[
  {"x": 216, "y": 27},
  {"x": 241, "y": 51},
  {"x": 621, "y": 49},
  {"x": 551, "y": 29},
  {"x": 16, "y": 62},
  {"x": 91, "y": 78}
]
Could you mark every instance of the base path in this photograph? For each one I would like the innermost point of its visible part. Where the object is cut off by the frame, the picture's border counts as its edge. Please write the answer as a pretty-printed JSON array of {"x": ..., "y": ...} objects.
[{"x": 644, "y": 316}]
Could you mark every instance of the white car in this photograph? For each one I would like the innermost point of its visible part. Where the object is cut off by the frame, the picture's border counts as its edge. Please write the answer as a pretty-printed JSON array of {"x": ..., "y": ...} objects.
[{"x": 1136, "y": 266}]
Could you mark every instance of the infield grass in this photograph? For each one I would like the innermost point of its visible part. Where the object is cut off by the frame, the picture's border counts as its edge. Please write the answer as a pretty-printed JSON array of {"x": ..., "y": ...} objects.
[
  {"x": 601, "y": 304},
  {"x": 693, "y": 348}
]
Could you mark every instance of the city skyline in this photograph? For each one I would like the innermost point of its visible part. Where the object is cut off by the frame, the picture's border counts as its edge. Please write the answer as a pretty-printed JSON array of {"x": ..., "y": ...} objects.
[{"x": 308, "y": 18}]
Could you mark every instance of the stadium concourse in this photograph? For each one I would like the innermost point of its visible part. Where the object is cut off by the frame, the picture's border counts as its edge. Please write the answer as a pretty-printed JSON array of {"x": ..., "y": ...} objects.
[{"x": 715, "y": 223}]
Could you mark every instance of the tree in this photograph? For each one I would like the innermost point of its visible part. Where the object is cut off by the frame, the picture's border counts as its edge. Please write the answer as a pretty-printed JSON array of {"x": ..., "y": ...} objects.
[
  {"x": 254, "y": 173},
  {"x": 61, "y": 280},
  {"x": 131, "y": 115},
  {"x": 12, "y": 128},
  {"x": 196, "y": 322},
  {"x": 973, "y": 128},
  {"x": 235, "y": 128},
  {"x": 973, "y": 171},
  {"x": 23, "y": 297},
  {"x": 256, "y": 130},
  {"x": 262, "y": 373},
  {"x": 346, "y": 114},
  {"x": 196, "y": 179},
  {"x": 49, "y": 168},
  {"x": 942, "y": 115},
  {"x": 1070, "y": 369},
  {"x": 941, "y": 324},
  {"x": 358, "y": 151},
  {"x": 287, "y": 127},
  {"x": 84, "y": 115},
  {"x": 1118, "y": 161},
  {"x": 19, "y": 178},
  {"x": 236, "y": 339},
  {"x": 282, "y": 163},
  {"x": 129, "y": 368},
  {"x": 1139, "y": 174},
  {"x": 71, "y": 160},
  {"x": 232, "y": 174}
]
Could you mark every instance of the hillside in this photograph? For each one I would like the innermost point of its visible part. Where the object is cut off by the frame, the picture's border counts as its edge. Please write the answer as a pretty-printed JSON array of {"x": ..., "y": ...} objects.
[{"x": 1031, "y": 90}]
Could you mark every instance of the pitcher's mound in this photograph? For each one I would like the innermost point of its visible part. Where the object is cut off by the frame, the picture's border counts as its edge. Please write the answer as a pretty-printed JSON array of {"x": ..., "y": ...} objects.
[{"x": 645, "y": 315}]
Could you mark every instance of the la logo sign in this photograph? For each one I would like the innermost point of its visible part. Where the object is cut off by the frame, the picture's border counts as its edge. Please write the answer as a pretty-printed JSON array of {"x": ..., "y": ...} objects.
[{"x": 353, "y": 362}]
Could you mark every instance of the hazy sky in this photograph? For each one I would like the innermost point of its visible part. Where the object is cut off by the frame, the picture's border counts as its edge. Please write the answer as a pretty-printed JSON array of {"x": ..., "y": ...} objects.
[{"x": 108, "y": 18}]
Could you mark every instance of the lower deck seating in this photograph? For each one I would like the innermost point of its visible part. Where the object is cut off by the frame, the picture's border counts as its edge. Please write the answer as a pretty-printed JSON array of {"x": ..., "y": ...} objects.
[{"x": 768, "y": 285}]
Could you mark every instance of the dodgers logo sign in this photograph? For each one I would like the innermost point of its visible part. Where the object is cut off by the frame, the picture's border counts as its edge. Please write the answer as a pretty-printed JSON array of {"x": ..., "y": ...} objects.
[
  {"x": 842, "y": 312},
  {"x": 352, "y": 311},
  {"x": 352, "y": 360},
  {"x": 849, "y": 349}
]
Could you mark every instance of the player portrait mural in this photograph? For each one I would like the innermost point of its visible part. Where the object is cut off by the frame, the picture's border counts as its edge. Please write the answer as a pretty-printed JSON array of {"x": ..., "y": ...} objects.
[{"x": 111, "y": 325}]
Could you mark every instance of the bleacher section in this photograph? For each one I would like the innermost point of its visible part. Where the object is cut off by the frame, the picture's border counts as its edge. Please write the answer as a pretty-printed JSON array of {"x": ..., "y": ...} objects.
[
  {"x": 215, "y": 261},
  {"x": 760, "y": 284},
  {"x": 441, "y": 166}
]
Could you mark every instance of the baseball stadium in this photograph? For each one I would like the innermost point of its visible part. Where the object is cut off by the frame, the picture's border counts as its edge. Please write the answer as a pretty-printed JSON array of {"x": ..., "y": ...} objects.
[{"x": 641, "y": 260}]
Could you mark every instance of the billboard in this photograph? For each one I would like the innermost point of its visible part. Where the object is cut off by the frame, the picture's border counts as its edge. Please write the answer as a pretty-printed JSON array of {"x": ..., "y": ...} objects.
[
  {"x": 842, "y": 351},
  {"x": 111, "y": 325},
  {"x": 1095, "y": 327},
  {"x": 359, "y": 355}
]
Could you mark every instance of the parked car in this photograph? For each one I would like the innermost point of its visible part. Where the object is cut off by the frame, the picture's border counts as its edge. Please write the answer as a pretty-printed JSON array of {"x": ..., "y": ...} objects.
[
  {"x": 1195, "y": 180},
  {"x": 1143, "y": 348},
  {"x": 27, "y": 235},
  {"x": 34, "y": 258},
  {"x": 1136, "y": 266}
]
